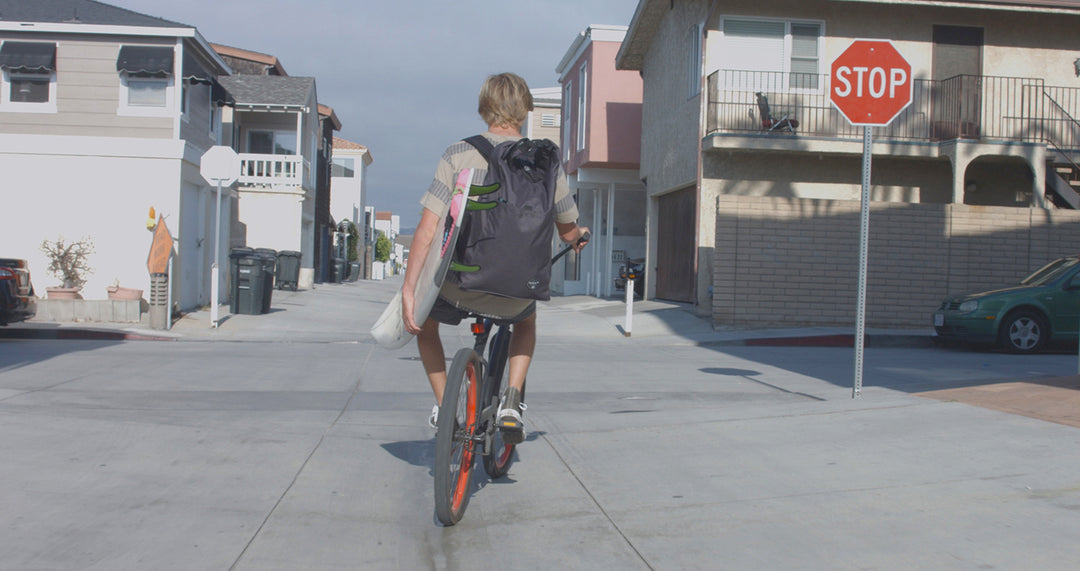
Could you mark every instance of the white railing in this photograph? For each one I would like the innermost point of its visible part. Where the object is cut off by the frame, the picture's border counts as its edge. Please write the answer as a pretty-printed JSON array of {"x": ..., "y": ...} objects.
[{"x": 271, "y": 169}]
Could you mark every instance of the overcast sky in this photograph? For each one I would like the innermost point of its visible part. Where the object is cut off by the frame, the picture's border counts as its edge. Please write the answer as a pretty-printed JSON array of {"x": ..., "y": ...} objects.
[{"x": 403, "y": 76}]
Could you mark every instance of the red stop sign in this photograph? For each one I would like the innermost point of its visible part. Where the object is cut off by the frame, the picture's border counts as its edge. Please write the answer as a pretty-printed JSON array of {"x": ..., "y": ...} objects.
[{"x": 870, "y": 82}]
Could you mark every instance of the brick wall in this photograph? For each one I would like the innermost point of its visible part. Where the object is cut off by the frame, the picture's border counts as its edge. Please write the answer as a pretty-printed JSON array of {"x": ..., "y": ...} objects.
[{"x": 784, "y": 261}]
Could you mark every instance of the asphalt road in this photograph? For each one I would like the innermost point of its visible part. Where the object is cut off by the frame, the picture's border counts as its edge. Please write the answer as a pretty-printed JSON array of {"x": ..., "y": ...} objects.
[{"x": 289, "y": 441}]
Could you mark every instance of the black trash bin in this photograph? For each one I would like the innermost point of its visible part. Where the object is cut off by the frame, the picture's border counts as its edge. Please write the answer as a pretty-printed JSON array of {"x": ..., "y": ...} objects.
[
  {"x": 234, "y": 276},
  {"x": 268, "y": 260},
  {"x": 288, "y": 269},
  {"x": 354, "y": 271},
  {"x": 251, "y": 283},
  {"x": 338, "y": 269}
]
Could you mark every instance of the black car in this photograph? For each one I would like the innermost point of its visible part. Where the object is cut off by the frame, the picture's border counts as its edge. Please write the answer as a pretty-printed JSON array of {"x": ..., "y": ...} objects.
[{"x": 17, "y": 301}]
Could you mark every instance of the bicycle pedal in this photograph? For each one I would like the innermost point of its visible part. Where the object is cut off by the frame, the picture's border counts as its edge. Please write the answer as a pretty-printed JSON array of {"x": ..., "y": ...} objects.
[{"x": 510, "y": 424}]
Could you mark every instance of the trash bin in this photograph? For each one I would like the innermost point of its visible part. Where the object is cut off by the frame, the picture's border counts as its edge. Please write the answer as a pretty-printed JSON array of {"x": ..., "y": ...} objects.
[
  {"x": 235, "y": 255},
  {"x": 272, "y": 253},
  {"x": 338, "y": 267},
  {"x": 268, "y": 261},
  {"x": 354, "y": 271},
  {"x": 251, "y": 283},
  {"x": 288, "y": 269}
]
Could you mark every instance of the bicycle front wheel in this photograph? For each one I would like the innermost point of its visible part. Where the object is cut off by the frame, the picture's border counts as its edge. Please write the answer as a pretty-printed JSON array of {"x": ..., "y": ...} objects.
[{"x": 454, "y": 442}]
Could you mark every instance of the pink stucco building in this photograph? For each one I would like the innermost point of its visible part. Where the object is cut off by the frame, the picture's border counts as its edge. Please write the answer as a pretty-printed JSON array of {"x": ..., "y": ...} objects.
[{"x": 601, "y": 144}]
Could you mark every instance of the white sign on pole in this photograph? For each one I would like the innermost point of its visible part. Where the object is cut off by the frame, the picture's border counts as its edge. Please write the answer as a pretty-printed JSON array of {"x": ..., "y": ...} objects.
[{"x": 219, "y": 166}]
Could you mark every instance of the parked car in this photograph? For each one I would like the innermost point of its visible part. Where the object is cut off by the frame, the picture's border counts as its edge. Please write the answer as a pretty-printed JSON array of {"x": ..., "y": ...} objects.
[
  {"x": 1025, "y": 318},
  {"x": 17, "y": 301}
]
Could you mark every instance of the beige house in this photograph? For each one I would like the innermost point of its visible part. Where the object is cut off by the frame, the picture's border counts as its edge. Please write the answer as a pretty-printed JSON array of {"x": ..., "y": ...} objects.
[{"x": 970, "y": 183}]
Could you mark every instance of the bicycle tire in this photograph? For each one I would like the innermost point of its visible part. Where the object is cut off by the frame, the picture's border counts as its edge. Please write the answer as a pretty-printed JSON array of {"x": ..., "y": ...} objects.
[
  {"x": 497, "y": 462},
  {"x": 454, "y": 452}
]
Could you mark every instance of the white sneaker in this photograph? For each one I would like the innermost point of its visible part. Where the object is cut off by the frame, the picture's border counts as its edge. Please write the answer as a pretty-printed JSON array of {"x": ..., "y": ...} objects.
[{"x": 433, "y": 420}]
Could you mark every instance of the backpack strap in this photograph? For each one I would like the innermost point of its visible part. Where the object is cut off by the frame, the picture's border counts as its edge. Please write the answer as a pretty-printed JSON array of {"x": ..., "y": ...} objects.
[{"x": 483, "y": 145}]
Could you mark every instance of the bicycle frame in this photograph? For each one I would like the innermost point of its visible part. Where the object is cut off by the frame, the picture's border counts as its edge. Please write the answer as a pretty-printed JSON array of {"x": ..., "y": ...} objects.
[{"x": 491, "y": 377}]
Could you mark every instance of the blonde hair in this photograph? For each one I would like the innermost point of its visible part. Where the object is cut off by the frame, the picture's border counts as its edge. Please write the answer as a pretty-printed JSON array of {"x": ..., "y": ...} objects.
[{"x": 505, "y": 100}]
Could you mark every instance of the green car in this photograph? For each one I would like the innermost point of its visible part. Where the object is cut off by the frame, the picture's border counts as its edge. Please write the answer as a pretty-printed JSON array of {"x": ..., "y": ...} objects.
[{"x": 1044, "y": 308}]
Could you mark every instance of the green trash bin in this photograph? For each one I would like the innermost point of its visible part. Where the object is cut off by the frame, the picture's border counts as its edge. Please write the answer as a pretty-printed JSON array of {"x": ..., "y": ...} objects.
[
  {"x": 234, "y": 276},
  {"x": 287, "y": 273},
  {"x": 251, "y": 284}
]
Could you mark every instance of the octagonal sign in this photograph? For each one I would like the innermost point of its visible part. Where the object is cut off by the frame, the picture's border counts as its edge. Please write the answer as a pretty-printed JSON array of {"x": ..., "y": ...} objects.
[
  {"x": 220, "y": 165},
  {"x": 870, "y": 83}
]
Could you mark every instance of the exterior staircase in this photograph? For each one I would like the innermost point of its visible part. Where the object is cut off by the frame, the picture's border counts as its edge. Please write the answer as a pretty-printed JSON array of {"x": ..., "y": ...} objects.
[{"x": 1062, "y": 170}]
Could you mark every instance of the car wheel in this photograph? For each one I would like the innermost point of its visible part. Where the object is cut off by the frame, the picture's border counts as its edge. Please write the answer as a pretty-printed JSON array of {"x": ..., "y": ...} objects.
[{"x": 1024, "y": 331}]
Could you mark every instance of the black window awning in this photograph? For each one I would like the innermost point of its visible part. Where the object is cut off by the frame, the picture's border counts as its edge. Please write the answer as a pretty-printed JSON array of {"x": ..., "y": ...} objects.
[
  {"x": 145, "y": 60},
  {"x": 28, "y": 56}
]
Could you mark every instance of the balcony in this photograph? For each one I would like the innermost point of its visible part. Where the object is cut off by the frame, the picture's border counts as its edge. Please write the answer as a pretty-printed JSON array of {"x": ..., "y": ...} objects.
[
  {"x": 966, "y": 107},
  {"x": 271, "y": 170}
]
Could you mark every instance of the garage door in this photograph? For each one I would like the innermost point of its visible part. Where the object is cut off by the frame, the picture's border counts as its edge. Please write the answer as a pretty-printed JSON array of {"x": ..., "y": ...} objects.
[{"x": 675, "y": 246}]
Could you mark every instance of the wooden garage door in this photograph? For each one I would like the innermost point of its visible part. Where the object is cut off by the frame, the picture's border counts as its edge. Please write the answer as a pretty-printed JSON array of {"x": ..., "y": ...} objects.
[{"x": 675, "y": 246}]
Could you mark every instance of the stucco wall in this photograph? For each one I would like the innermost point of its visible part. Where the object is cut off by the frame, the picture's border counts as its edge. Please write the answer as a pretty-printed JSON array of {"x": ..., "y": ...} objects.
[
  {"x": 669, "y": 120},
  {"x": 104, "y": 196},
  {"x": 789, "y": 261}
]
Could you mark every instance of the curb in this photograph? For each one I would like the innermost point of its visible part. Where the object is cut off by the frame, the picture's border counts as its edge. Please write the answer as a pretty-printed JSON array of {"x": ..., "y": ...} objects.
[
  {"x": 842, "y": 340},
  {"x": 70, "y": 333},
  {"x": 880, "y": 341}
]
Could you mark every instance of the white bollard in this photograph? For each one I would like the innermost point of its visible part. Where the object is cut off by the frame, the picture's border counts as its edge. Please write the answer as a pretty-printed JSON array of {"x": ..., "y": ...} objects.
[
  {"x": 629, "y": 306},
  {"x": 214, "y": 295}
]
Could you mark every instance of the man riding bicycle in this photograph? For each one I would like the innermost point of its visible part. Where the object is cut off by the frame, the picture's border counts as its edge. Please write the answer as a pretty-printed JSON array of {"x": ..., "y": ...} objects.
[{"x": 504, "y": 104}]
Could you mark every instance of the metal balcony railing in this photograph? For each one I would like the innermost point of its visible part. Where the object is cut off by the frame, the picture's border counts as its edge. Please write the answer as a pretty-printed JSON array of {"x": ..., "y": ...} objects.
[
  {"x": 961, "y": 107},
  {"x": 271, "y": 170}
]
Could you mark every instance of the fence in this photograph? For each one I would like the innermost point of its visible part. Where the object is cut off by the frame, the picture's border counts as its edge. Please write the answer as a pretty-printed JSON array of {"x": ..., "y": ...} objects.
[{"x": 964, "y": 106}]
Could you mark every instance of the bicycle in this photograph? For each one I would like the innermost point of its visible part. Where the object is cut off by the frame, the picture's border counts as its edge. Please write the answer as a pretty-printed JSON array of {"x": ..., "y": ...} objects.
[{"x": 466, "y": 426}]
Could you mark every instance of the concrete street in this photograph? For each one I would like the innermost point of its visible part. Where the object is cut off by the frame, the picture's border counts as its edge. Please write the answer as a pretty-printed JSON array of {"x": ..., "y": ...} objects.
[{"x": 290, "y": 441}]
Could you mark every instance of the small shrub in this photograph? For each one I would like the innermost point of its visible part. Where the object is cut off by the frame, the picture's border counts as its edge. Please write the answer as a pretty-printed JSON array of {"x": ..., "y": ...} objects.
[{"x": 69, "y": 261}]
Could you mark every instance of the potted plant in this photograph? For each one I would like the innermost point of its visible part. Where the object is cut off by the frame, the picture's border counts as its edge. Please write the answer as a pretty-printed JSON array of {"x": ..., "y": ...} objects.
[
  {"x": 119, "y": 292},
  {"x": 68, "y": 262}
]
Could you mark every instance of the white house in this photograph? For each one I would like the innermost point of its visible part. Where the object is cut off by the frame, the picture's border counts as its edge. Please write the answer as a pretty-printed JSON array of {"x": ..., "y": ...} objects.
[
  {"x": 348, "y": 181},
  {"x": 274, "y": 123},
  {"x": 105, "y": 113}
]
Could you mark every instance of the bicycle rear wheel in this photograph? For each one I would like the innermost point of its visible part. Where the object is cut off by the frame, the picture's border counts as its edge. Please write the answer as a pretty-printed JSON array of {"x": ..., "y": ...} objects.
[
  {"x": 497, "y": 463},
  {"x": 454, "y": 440}
]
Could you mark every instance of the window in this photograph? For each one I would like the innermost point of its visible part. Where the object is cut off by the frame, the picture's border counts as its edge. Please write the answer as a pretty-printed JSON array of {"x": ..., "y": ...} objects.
[
  {"x": 343, "y": 168},
  {"x": 146, "y": 80},
  {"x": 271, "y": 142},
  {"x": 147, "y": 91},
  {"x": 694, "y": 64},
  {"x": 775, "y": 55},
  {"x": 583, "y": 101},
  {"x": 28, "y": 81},
  {"x": 567, "y": 99}
]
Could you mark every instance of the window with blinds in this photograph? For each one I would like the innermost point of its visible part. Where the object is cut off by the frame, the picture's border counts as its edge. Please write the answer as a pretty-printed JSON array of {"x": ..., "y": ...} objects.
[{"x": 770, "y": 55}]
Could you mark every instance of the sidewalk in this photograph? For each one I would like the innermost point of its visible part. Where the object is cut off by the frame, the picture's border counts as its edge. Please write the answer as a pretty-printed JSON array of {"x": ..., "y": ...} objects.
[{"x": 344, "y": 312}]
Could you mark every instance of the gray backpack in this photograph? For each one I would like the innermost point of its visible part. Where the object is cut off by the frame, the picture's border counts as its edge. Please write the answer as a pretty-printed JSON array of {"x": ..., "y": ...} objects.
[{"x": 505, "y": 242}]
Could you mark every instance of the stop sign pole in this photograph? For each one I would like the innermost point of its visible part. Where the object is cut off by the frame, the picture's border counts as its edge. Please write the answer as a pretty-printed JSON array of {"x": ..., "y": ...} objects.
[
  {"x": 870, "y": 84},
  {"x": 221, "y": 166}
]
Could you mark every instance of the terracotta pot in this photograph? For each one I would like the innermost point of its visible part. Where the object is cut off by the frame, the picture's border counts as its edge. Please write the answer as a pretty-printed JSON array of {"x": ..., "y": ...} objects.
[
  {"x": 63, "y": 293},
  {"x": 123, "y": 293}
]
